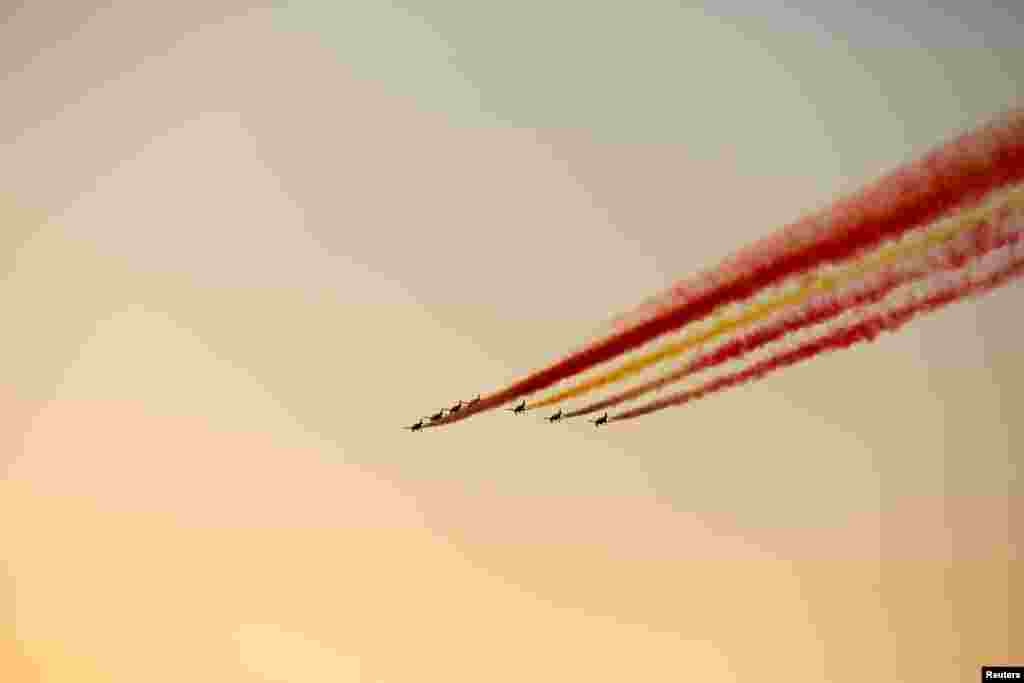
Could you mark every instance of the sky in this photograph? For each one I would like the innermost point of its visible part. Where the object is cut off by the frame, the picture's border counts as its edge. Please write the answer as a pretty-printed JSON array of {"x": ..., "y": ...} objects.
[{"x": 243, "y": 245}]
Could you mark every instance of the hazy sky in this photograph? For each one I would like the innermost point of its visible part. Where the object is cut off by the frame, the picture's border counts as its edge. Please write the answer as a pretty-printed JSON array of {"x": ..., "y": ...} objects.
[{"x": 241, "y": 246}]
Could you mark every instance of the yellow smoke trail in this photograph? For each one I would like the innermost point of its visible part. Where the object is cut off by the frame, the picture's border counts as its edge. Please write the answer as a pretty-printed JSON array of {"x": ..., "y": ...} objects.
[
  {"x": 883, "y": 257},
  {"x": 889, "y": 316}
]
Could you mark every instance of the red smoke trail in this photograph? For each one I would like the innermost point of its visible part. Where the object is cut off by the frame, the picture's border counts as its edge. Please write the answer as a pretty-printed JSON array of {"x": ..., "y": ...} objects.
[
  {"x": 988, "y": 237},
  {"x": 928, "y": 187},
  {"x": 861, "y": 331},
  {"x": 958, "y": 173}
]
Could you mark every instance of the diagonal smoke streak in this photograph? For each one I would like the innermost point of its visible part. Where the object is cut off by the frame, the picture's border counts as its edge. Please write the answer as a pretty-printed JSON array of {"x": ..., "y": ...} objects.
[
  {"x": 1005, "y": 228},
  {"x": 826, "y": 282},
  {"x": 956, "y": 174},
  {"x": 889, "y": 196},
  {"x": 864, "y": 330}
]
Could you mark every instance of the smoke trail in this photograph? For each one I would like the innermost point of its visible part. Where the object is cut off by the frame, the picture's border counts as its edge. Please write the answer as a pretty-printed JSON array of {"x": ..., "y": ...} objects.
[
  {"x": 960, "y": 172},
  {"x": 865, "y": 330},
  {"x": 886, "y": 256},
  {"x": 1003, "y": 230},
  {"x": 880, "y": 200}
]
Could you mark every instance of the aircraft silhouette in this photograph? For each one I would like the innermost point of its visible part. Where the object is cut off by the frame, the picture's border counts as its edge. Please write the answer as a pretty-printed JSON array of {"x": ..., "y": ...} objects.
[
  {"x": 603, "y": 420},
  {"x": 556, "y": 417},
  {"x": 416, "y": 427},
  {"x": 521, "y": 408}
]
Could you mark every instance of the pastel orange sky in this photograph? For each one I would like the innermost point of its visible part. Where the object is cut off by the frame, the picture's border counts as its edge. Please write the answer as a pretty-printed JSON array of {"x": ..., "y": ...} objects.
[{"x": 242, "y": 246}]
